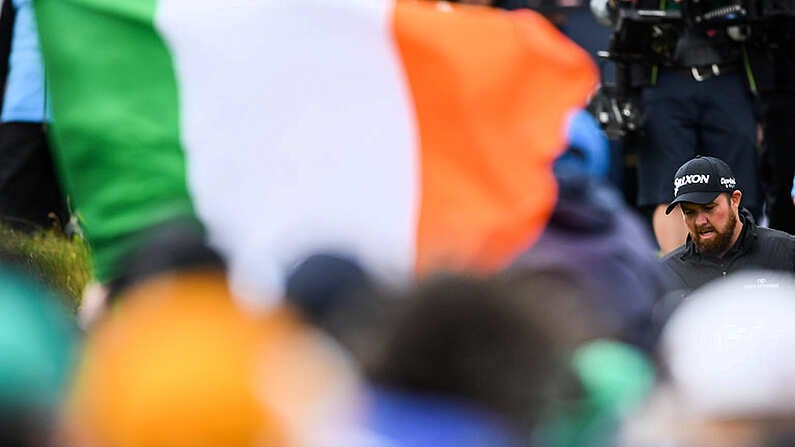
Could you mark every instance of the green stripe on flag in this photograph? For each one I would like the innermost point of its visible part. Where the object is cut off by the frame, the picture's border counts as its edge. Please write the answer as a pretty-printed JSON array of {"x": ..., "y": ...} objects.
[{"x": 117, "y": 144}]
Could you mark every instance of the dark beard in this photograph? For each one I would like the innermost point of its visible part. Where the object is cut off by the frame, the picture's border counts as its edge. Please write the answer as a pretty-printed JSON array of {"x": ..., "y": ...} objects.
[{"x": 722, "y": 241}]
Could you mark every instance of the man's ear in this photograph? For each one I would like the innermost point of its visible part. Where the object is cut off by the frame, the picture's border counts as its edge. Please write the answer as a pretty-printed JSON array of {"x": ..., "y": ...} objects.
[{"x": 735, "y": 198}]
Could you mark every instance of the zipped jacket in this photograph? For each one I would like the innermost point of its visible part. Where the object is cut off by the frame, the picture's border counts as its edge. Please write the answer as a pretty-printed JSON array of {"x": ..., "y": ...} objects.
[{"x": 757, "y": 248}]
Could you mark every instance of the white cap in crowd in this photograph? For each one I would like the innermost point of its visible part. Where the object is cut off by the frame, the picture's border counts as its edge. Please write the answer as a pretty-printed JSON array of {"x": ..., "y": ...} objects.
[{"x": 729, "y": 347}]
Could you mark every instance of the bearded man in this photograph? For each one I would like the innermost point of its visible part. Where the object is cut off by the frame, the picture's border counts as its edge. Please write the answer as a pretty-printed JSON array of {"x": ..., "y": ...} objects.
[{"x": 722, "y": 236}]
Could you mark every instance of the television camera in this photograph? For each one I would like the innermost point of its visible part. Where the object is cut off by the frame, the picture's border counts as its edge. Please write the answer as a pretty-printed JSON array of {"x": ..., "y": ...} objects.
[{"x": 644, "y": 39}]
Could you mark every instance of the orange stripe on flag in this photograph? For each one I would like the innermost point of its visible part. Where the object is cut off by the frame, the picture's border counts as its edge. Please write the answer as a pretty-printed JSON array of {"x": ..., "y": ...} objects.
[{"x": 491, "y": 90}]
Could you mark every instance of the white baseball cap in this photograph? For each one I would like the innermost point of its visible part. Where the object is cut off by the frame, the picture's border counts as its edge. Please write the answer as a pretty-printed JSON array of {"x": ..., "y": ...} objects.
[{"x": 730, "y": 347}]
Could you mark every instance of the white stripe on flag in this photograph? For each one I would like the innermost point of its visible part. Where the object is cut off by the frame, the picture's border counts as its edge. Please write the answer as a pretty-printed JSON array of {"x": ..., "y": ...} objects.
[{"x": 299, "y": 131}]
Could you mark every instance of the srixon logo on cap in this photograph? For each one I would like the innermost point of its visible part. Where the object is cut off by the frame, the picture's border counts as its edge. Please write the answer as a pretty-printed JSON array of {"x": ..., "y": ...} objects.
[{"x": 689, "y": 180}]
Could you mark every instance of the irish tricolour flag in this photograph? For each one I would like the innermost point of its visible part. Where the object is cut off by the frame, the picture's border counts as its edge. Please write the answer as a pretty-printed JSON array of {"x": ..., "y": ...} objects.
[{"x": 409, "y": 134}]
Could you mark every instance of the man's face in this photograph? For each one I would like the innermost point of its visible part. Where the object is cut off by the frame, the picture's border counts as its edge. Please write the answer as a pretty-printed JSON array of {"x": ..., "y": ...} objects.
[{"x": 712, "y": 226}]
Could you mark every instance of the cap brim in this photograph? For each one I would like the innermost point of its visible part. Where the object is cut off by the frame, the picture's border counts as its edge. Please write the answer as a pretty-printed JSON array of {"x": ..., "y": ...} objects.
[{"x": 699, "y": 197}]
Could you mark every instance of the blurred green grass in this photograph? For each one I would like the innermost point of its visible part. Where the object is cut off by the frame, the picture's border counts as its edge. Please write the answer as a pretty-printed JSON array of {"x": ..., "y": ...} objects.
[{"x": 62, "y": 262}]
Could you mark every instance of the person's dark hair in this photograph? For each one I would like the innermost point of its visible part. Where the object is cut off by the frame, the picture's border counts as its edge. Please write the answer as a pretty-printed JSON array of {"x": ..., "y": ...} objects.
[
  {"x": 174, "y": 246},
  {"x": 336, "y": 294},
  {"x": 324, "y": 282},
  {"x": 474, "y": 339},
  {"x": 562, "y": 305}
]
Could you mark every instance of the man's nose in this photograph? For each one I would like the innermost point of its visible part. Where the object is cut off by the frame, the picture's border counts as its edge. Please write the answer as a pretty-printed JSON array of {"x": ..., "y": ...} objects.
[{"x": 701, "y": 218}]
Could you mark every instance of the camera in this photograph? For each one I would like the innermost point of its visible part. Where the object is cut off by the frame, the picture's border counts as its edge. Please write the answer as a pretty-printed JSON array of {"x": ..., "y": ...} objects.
[{"x": 644, "y": 39}]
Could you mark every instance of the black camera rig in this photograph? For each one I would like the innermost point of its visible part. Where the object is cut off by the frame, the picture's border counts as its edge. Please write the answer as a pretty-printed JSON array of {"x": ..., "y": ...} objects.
[
  {"x": 645, "y": 38},
  {"x": 650, "y": 35}
]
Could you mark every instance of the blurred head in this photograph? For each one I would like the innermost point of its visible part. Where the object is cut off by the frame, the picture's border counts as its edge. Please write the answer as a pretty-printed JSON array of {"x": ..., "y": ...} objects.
[
  {"x": 170, "y": 247},
  {"x": 174, "y": 246},
  {"x": 582, "y": 319},
  {"x": 178, "y": 363},
  {"x": 475, "y": 340},
  {"x": 325, "y": 284},
  {"x": 729, "y": 372},
  {"x": 337, "y": 295},
  {"x": 562, "y": 306},
  {"x": 38, "y": 341},
  {"x": 726, "y": 347},
  {"x": 727, "y": 351}
]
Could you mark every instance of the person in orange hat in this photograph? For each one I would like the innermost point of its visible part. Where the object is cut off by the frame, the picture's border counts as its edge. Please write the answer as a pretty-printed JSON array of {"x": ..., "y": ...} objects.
[{"x": 178, "y": 364}]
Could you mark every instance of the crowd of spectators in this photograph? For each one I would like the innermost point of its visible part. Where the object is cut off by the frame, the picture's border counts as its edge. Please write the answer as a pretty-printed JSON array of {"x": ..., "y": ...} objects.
[
  {"x": 587, "y": 338},
  {"x": 576, "y": 342}
]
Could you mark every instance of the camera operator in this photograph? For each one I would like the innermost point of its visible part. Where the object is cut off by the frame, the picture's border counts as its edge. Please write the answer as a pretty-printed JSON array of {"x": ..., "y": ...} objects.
[{"x": 695, "y": 97}]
